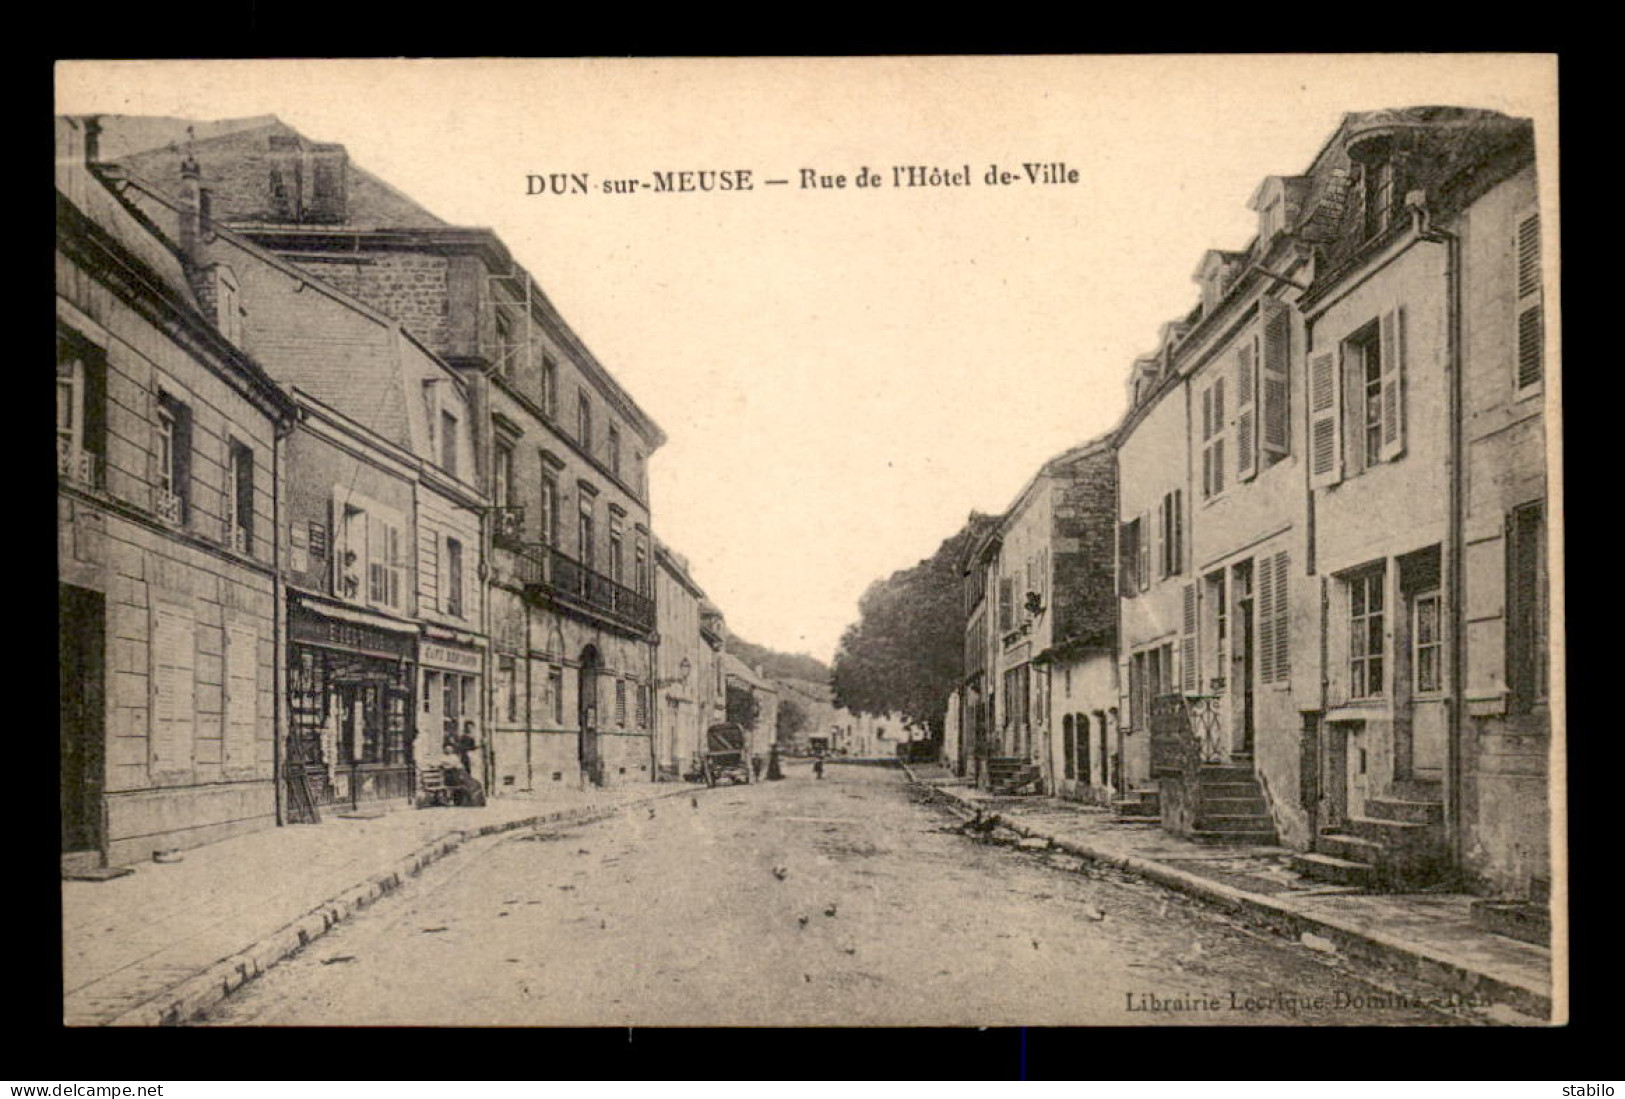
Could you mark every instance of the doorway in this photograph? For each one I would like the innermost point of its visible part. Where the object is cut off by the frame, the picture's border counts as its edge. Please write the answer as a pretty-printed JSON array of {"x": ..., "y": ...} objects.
[
  {"x": 1242, "y": 659},
  {"x": 592, "y": 768},
  {"x": 81, "y": 633}
]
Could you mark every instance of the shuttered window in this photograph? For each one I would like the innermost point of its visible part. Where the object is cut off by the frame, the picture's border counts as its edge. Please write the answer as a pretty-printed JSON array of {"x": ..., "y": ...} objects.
[
  {"x": 1170, "y": 525},
  {"x": 1128, "y": 553},
  {"x": 174, "y": 690},
  {"x": 1007, "y": 600},
  {"x": 1266, "y": 621},
  {"x": 1527, "y": 628},
  {"x": 1274, "y": 391},
  {"x": 1325, "y": 420},
  {"x": 1143, "y": 539},
  {"x": 1393, "y": 384},
  {"x": 1530, "y": 323},
  {"x": 1213, "y": 434},
  {"x": 1246, "y": 410},
  {"x": 1283, "y": 619},
  {"x": 242, "y": 699}
]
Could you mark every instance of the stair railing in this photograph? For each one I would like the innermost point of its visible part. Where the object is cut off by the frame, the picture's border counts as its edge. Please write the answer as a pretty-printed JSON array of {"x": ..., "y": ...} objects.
[{"x": 1202, "y": 714}]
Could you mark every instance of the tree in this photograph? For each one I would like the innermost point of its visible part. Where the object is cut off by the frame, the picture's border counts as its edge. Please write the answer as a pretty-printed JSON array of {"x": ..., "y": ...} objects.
[
  {"x": 792, "y": 719},
  {"x": 906, "y": 651}
]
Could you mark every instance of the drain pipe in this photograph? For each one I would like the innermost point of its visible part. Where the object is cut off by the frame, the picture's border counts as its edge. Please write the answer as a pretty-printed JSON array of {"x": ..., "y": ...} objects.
[{"x": 1416, "y": 202}]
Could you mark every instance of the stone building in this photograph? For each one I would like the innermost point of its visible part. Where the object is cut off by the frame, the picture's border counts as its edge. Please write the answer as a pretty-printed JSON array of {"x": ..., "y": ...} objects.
[
  {"x": 168, "y": 440},
  {"x": 689, "y": 666},
  {"x": 1050, "y": 622},
  {"x": 742, "y": 681},
  {"x": 1334, "y": 495},
  {"x": 380, "y": 542},
  {"x": 560, "y": 449}
]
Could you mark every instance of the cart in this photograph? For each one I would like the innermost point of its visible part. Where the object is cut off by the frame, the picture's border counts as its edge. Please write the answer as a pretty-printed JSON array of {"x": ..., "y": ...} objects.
[{"x": 726, "y": 756}]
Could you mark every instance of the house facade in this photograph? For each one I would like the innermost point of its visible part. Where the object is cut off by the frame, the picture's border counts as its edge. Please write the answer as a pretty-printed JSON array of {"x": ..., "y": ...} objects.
[
  {"x": 169, "y": 436},
  {"x": 690, "y": 696},
  {"x": 560, "y": 449}
]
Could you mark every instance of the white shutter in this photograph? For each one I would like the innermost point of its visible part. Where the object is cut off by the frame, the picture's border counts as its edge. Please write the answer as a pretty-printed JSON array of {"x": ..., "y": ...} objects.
[
  {"x": 242, "y": 699},
  {"x": 1531, "y": 329},
  {"x": 1283, "y": 618},
  {"x": 1273, "y": 373},
  {"x": 1325, "y": 421},
  {"x": 428, "y": 566},
  {"x": 1187, "y": 639},
  {"x": 1144, "y": 563},
  {"x": 1246, "y": 409},
  {"x": 174, "y": 688},
  {"x": 1264, "y": 610},
  {"x": 1393, "y": 384}
]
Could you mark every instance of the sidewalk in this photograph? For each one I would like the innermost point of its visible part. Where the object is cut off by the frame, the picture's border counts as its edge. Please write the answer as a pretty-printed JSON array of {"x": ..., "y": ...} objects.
[
  {"x": 169, "y": 940},
  {"x": 1428, "y": 935}
]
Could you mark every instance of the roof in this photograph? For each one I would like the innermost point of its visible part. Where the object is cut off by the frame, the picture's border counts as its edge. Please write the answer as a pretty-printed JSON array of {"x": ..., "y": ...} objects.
[{"x": 740, "y": 670}]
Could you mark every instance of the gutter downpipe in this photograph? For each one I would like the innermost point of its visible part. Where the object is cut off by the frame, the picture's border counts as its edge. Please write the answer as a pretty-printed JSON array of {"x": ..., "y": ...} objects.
[
  {"x": 279, "y": 658},
  {"x": 1455, "y": 532}
]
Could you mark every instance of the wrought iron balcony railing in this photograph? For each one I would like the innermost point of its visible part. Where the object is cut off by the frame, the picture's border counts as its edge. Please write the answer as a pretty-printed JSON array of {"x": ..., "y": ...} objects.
[
  {"x": 568, "y": 581},
  {"x": 508, "y": 527},
  {"x": 77, "y": 465}
]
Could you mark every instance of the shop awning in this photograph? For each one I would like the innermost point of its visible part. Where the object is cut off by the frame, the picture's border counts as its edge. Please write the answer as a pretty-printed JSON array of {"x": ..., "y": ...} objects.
[{"x": 361, "y": 618}]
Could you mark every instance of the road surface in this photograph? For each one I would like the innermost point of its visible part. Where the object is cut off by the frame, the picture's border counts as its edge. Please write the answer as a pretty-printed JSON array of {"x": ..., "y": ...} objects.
[{"x": 840, "y": 902}]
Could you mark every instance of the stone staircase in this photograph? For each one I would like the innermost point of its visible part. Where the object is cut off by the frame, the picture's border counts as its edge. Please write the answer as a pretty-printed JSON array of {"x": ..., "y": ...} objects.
[
  {"x": 1230, "y": 807},
  {"x": 1014, "y": 775},
  {"x": 1398, "y": 846},
  {"x": 1139, "y": 806}
]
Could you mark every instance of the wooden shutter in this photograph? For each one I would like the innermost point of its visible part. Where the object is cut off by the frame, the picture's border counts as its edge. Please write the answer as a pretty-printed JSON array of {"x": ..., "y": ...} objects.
[
  {"x": 1143, "y": 541},
  {"x": 1187, "y": 639},
  {"x": 1207, "y": 434},
  {"x": 1283, "y": 618},
  {"x": 1325, "y": 421},
  {"x": 174, "y": 687},
  {"x": 1393, "y": 384},
  {"x": 1531, "y": 326},
  {"x": 1275, "y": 405},
  {"x": 242, "y": 699},
  {"x": 1179, "y": 530},
  {"x": 1264, "y": 610},
  {"x": 1246, "y": 409},
  {"x": 428, "y": 566}
]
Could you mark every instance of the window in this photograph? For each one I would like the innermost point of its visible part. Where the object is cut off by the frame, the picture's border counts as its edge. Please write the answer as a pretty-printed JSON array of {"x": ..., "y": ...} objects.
[
  {"x": 584, "y": 422},
  {"x": 614, "y": 444},
  {"x": 620, "y": 703},
  {"x": 240, "y": 499},
  {"x": 1275, "y": 370},
  {"x": 547, "y": 528},
  {"x": 502, "y": 475},
  {"x": 1170, "y": 518},
  {"x": 1016, "y": 702},
  {"x": 1380, "y": 195},
  {"x": 448, "y": 442},
  {"x": 1528, "y": 613},
  {"x": 584, "y": 531},
  {"x": 173, "y": 455},
  {"x": 1369, "y": 381},
  {"x": 1069, "y": 746},
  {"x": 1007, "y": 603},
  {"x": 555, "y": 691},
  {"x": 616, "y": 566},
  {"x": 1530, "y": 325},
  {"x": 1128, "y": 558},
  {"x": 227, "y": 305},
  {"x": 1082, "y": 751},
  {"x": 1427, "y": 645},
  {"x": 384, "y": 564},
  {"x": 507, "y": 688},
  {"x": 642, "y": 575},
  {"x": 1274, "y": 619},
  {"x": 1218, "y": 640},
  {"x": 643, "y": 706},
  {"x": 550, "y": 388},
  {"x": 637, "y": 473},
  {"x": 1365, "y": 634},
  {"x": 1213, "y": 434},
  {"x": 81, "y": 412},
  {"x": 507, "y": 350},
  {"x": 454, "y": 578}
]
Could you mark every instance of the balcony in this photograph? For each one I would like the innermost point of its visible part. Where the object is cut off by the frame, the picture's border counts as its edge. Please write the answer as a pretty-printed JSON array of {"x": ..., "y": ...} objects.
[
  {"x": 76, "y": 465},
  {"x": 567, "y": 581}
]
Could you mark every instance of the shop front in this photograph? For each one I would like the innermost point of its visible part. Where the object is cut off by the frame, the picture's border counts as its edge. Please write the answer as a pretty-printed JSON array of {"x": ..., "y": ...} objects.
[
  {"x": 452, "y": 676},
  {"x": 350, "y": 690}
]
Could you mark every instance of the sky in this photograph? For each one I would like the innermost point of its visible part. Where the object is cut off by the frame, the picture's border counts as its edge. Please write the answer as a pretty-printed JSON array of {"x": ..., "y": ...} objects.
[{"x": 844, "y": 372}]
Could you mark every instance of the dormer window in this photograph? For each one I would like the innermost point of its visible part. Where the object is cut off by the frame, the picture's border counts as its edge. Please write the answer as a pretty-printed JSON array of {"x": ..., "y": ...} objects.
[{"x": 228, "y": 305}]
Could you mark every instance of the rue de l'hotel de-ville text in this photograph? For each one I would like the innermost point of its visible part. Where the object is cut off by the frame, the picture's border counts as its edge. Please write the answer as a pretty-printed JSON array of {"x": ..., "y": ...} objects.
[{"x": 341, "y": 494}]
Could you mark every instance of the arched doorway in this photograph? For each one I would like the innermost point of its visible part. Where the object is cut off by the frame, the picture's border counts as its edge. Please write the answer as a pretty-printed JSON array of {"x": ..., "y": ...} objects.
[{"x": 592, "y": 769}]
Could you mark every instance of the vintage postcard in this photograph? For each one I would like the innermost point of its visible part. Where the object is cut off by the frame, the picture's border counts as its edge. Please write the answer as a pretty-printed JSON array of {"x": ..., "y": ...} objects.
[{"x": 914, "y": 541}]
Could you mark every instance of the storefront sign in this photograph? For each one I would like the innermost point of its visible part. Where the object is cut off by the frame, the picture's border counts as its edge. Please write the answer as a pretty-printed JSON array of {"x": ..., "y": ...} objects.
[
  {"x": 432, "y": 654},
  {"x": 317, "y": 629}
]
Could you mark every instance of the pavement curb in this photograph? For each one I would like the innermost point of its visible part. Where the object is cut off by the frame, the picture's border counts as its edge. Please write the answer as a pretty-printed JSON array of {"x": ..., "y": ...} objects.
[
  {"x": 186, "y": 1000},
  {"x": 1285, "y": 919}
]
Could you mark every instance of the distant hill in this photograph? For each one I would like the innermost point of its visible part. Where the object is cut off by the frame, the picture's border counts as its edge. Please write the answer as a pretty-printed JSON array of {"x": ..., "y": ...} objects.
[{"x": 779, "y": 665}]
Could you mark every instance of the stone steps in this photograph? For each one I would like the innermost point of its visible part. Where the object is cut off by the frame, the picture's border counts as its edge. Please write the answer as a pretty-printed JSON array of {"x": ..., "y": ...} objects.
[{"x": 1335, "y": 870}]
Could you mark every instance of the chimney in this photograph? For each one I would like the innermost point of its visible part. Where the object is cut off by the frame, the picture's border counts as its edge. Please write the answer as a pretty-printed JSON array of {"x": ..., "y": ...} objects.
[
  {"x": 192, "y": 204},
  {"x": 329, "y": 177},
  {"x": 93, "y": 138}
]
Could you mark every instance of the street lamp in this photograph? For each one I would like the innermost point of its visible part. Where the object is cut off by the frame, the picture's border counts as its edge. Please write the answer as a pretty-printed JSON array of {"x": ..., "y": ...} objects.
[{"x": 685, "y": 668}]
